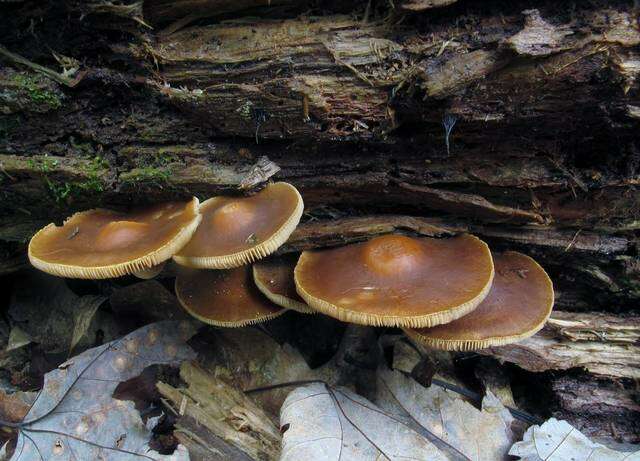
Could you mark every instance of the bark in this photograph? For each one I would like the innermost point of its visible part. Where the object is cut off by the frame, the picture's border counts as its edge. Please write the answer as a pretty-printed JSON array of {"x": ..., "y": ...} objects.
[
  {"x": 217, "y": 421},
  {"x": 515, "y": 121},
  {"x": 605, "y": 346},
  {"x": 601, "y": 409}
]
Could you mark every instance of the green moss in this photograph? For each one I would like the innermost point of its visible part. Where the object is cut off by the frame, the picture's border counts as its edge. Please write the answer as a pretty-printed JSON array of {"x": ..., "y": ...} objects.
[
  {"x": 42, "y": 97},
  {"x": 83, "y": 147},
  {"x": 94, "y": 171},
  {"x": 43, "y": 164},
  {"x": 159, "y": 176},
  {"x": 60, "y": 192}
]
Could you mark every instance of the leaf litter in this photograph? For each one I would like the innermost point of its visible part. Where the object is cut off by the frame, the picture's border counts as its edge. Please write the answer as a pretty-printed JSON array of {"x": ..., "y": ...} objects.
[
  {"x": 47, "y": 312},
  {"x": 75, "y": 417},
  {"x": 559, "y": 441}
]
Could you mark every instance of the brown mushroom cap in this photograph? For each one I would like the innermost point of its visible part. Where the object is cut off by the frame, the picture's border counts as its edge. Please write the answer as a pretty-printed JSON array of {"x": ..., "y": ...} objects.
[
  {"x": 274, "y": 278},
  {"x": 395, "y": 280},
  {"x": 100, "y": 243},
  {"x": 238, "y": 231},
  {"x": 225, "y": 298},
  {"x": 517, "y": 306}
]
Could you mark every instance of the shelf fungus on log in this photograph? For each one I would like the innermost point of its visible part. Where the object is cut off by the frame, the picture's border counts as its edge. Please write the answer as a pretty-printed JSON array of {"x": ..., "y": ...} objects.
[
  {"x": 274, "y": 278},
  {"x": 396, "y": 280},
  {"x": 517, "y": 306},
  {"x": 238, "y": 231},
  {"x": 225, "y": 298},
  {"x": 98, "y": 244}
]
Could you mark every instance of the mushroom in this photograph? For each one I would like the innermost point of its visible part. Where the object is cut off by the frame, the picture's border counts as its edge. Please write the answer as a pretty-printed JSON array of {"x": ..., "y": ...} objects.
[
  {"x": 394, "y": 280},
  {"x": 274, "y": 278},
  {"x": 517, "y": 306},
  {"x": 238, "y": 231},
  {"x": 152, "y": 272},
  {"x": 225, "y": 298},
  {"x": 101, "y": 243}
]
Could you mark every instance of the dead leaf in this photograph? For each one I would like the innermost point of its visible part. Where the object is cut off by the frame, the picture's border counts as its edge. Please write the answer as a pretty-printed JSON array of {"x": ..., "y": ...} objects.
[
  {"x": 259, "y": 173},
  {"x": 18, "y": 338},
  {"x": 479, "y": 435},
  {"x": 559, "y": 441},
  {"x": 320, "y": 423},
  {"x": 250, "y": 359},
  {"x": 14, "y": 406},
  {"x": 75, "y": 416},
  {"x": 85, "y": 310},
  {"x": 55, "y": 317}
]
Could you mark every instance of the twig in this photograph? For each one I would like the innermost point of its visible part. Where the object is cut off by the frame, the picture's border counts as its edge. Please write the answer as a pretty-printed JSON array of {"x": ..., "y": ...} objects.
[
  {"x": 518, "y": 414},
  {"x": 70, "y": 82},
  {"x": 5, "y": 172},
  {"x": 573, "y": 240}
]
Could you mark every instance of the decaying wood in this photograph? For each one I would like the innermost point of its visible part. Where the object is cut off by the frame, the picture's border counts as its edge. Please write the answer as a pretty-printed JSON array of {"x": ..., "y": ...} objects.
[
  {"x": 595, "y": 327},
  {"x": 217, "y": 420},
  {"x": 515, "y": 121},
  {"x": 601, "y": 409},
  {"x": 605, "y": 346}
]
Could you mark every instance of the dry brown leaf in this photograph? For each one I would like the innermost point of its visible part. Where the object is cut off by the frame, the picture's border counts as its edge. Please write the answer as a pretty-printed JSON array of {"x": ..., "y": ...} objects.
[
  {"x": 559, "y": 441},
  {"x": 478, "y": 435},
  {"x": 14, "y": 407},
  {"x": 321, "y": 423}
]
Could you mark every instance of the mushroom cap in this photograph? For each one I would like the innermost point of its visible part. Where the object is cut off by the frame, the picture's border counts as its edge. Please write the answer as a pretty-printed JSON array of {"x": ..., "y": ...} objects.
[
  {"x": 237, "y": 231},
  {"x": 101, "y": 243},
  {"x": 274, "y": 278},
  {"x": 225, "y": 298},
  {"x": 396, "y": 280},
  {"x": 517, "y": 306}
]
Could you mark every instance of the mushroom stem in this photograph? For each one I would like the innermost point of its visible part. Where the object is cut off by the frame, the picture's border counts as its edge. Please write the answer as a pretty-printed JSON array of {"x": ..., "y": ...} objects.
[{"x": 150, "y": 272}]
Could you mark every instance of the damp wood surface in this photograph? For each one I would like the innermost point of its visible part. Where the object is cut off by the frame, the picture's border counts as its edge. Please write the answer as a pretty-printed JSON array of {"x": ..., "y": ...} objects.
[{"x": 514, "y": 121}]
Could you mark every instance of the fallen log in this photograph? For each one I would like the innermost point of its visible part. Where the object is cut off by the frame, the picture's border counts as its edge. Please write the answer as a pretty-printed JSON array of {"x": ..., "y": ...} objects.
[{"x": 603, "y": 345}]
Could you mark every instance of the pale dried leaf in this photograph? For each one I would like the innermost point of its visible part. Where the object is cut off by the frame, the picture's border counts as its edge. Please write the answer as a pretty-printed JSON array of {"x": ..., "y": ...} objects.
[
  {"x": 324, "y": 424},
  {"x": 559, "y": 441},
  {"x": 18, "y": 338},
  {"x": 480, "y": 435},
  {"x": 75, "y": 416},
  {"x": 259, "y": 173},
  {"x": 84, "y": 312}
]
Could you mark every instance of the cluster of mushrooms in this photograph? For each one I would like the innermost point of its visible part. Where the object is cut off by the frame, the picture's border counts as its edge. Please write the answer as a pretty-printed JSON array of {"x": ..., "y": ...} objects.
[{"x": 448, "y": 293}]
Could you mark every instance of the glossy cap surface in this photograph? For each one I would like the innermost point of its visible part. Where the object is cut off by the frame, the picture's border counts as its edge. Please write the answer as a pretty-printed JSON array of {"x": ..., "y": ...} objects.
[
  {"x": 396, "y": 280},
  {"x": 237, "y": 231},
  {"x": 101, "y": 243},
  {"x": 517, "y": 306},
  {"x": 226, "y": 298},
  {"x": 274, "y": 278}
]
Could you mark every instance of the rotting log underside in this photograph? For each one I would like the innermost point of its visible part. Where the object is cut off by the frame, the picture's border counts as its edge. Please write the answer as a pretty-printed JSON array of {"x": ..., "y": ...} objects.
[
  {"x": 116, "y": 104},
  {"x": 543, "y": 156},
  {"x": 161, "y": 100}
]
